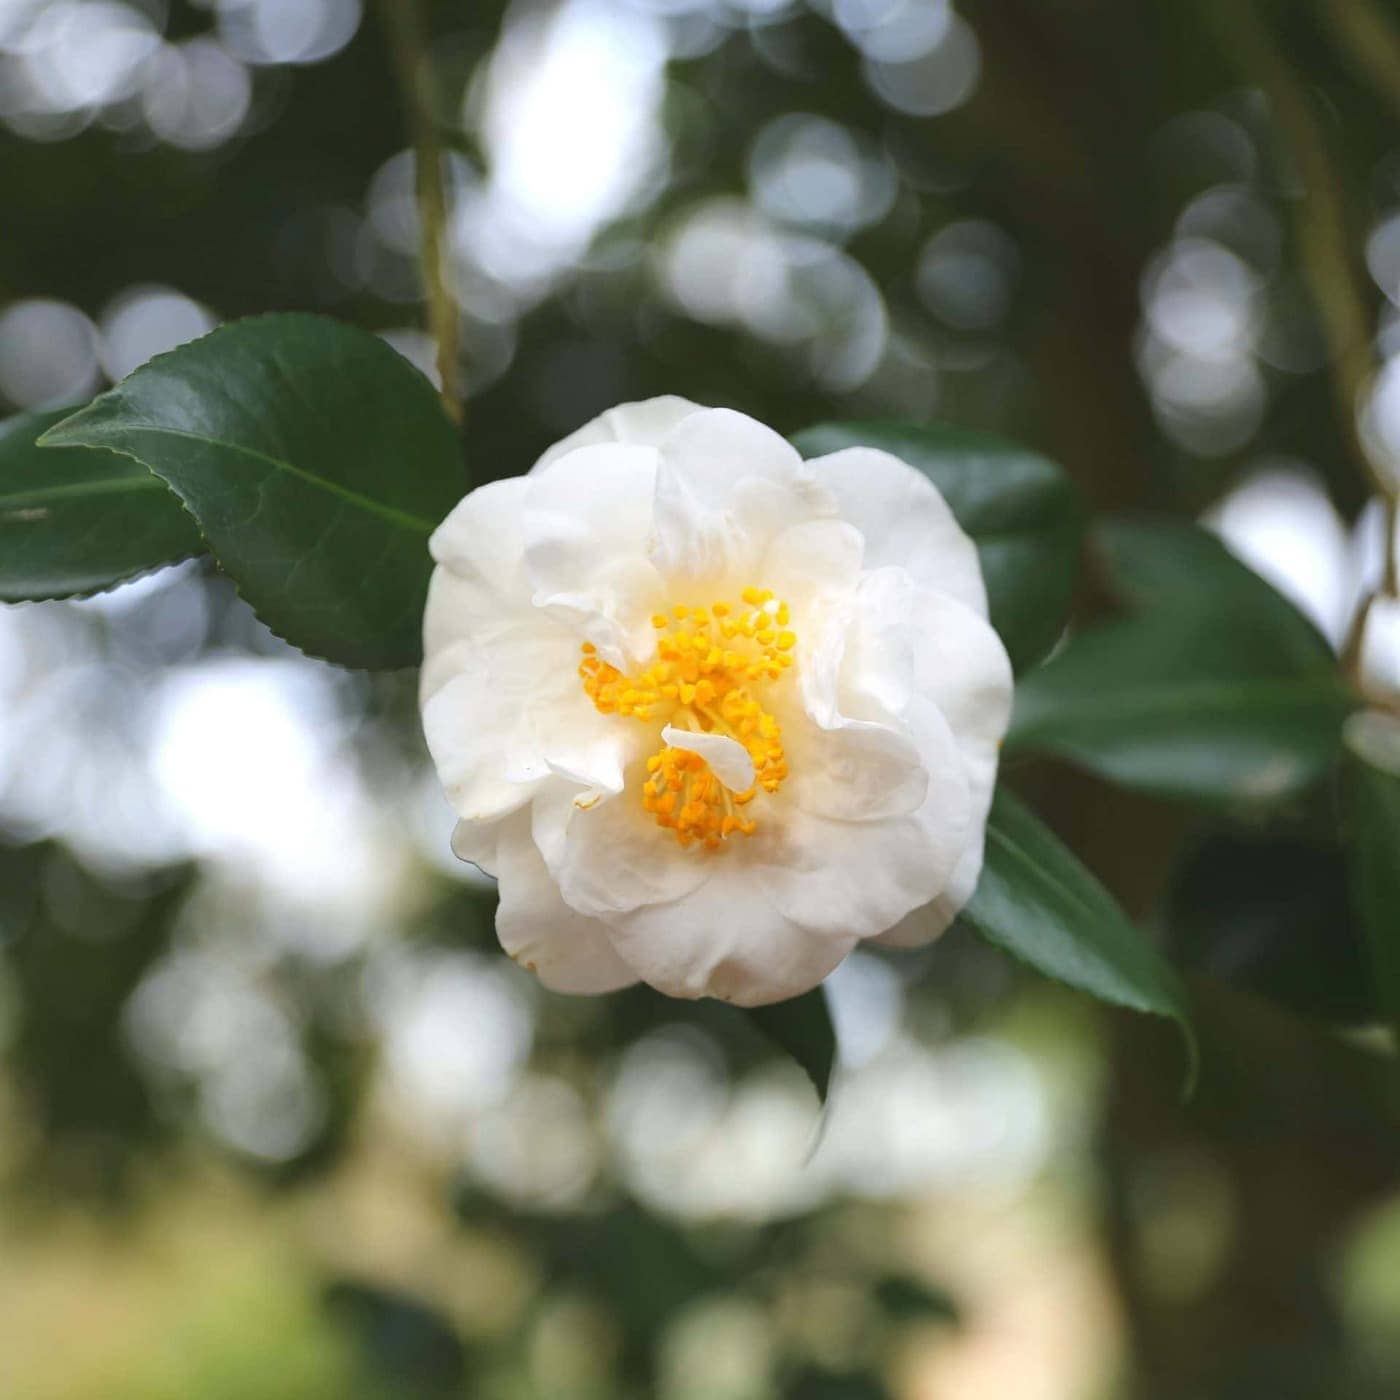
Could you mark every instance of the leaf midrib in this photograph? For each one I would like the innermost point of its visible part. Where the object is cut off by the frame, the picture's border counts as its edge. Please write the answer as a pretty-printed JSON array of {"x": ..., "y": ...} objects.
[
  {"x": 43, "y": 495},
  {"x": 367, "y": 503},
  {"x": 1166, "y": 699},
  {"x": 1092, "y": 915}
]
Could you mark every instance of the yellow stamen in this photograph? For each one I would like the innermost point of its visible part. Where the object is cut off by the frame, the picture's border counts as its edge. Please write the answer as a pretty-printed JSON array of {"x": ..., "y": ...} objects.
[{"x": 698, "y": 683}]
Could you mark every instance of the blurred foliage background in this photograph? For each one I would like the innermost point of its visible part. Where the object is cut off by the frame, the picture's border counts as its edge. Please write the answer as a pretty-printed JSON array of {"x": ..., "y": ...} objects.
[{"x": 276, "y": 1119}]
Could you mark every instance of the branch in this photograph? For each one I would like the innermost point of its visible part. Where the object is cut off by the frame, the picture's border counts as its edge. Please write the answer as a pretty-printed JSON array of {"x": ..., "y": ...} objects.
[
  {"x": 403, "y": 23},
  {"x": 1320, "y": 224},
  {"x": 1372, "y": 41}
]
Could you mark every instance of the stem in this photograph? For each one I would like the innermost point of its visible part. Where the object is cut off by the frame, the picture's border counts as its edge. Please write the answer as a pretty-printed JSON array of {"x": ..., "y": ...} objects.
[
  {"x": 1329, "y": 265},
  {"x": 1371, "y": 39},
  {"x": 403, "y": 23}
]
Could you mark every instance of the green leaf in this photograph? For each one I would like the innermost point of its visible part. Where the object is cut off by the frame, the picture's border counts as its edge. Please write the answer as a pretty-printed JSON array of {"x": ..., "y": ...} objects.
[
  {"x": 1268, "y": 913},
  {"x": 1373, "y": 792},
  {"x": 1218, "y": 690},
  {"x": 1196, "y": 707},
  {"x": 1036, "y": 901},
  {"x": 802, "y": 1026},
  {"x": 1023, "y": 512},
  {"x": 1176, "y": 565},
  {"x": 317, "y": 462},
  {"x": 75, "y": 522}
]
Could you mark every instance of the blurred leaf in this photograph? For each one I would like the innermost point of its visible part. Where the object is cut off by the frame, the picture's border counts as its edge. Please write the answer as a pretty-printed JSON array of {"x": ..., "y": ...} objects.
[
  {"x": 411, "y": 1345},
  {"x": 819, "y": 1383},
  {"x": 76, "y": 522},
  {"x": 910, "y": 1299},
  {"x": 1176, "y": 565},
  {"x": 1193, "y": 705},
  {"x": 802, "y": 1026},
  {"x": 1023, "y": 512},
  {"x": 76, "y": 943},
  {"x": 644, "y": 1268},
  {"x": 1373, "y": 789},
  {"x": 1036, "y": 901},
  {"x": 1269, "y": 914},
  {"x": 317, "y": 462}
]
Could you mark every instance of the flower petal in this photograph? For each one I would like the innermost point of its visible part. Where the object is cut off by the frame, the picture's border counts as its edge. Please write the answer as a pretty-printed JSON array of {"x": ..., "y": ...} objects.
[
  {"x": 483, "y": 752},
  {"x": 607, "y": 853},
  {"x": 862, "y": 877},
  {"x": 905, "y": 521},
  {"x": 646, "y": 422},
  {"x": 849, "y": 759},
  {"x": 811, "y": 565},
  {"x": 959, "y": 663},
  {"x": 482, "y": 538},
  {"x": 505, "y": 715},
  {"x": 479, "y": 584},
  {"x": 853, "y": 771},
  {"x": 477, "y": 842},
  {"x": 726, "y": 484},
  {"x": 726, "y": 939},
  {"x": 569, "y": 953},
  {"x": 729, "y": 760},
  {"x": 934, "y": 918},
  {"x": 587, "y": 523}
]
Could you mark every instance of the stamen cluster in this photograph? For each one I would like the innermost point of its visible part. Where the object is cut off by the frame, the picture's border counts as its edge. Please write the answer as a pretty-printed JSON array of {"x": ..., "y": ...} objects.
[{"x": 708, "y": 663}]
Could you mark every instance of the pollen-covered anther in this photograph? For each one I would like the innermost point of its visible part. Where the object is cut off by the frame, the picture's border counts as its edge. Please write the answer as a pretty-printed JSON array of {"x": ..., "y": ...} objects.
[{"x": 709, "y": 662}]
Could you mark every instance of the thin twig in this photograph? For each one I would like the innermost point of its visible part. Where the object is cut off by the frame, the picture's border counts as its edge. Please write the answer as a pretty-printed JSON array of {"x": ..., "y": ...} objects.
[
  {"x": 1371, "y": 39},
  {"x": 1329, "y": 263},
  {"x": 403, "y": 23}
]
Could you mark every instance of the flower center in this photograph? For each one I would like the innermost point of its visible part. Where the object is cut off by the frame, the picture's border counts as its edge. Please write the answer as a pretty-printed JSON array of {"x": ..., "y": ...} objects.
[{"x": 709, "y": 667}]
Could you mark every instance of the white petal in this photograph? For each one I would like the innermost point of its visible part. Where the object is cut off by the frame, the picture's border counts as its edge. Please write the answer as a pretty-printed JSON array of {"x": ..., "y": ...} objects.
[
  {"x": 478, "y": 842},
  {"x": 568, "y": 952},
  {"x": 905, "y": 521},
  {"x": 482, "y": 539},
  {"x": 607, "y": 853},
  {"x": 478, "y": 744},
  {"x": 853, "y": 771},
  {"x": 851, "y": 766},
  {"x": 645, "y": 422},
  {"x": 727, "y": 484},
  {"x": 726, "y": 939},
  {"x": 923, "y": 926},
  {"x": 961, "y": 665},
  {"x": 811, "y": 565},
  {"x": 587, "y": 525},
  {"x": 862, "y": 877},
  {"x": 729, "y": 760},
  {"x": 462, "y": 610},
  {"x": 508, "y": 714},
  {"x": 914, "y": 641},
  {"x": 480, "y": 582}
]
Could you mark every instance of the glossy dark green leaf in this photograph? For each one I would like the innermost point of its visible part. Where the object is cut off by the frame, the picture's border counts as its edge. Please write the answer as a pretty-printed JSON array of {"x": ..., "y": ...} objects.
[
  {"x": 802, "y": 1026},
  {"x": 1373, "y": 792},
  {"x": 1174, "y": 565},
  {"x": 1185, "y": 705},
  {"x": 1268, "y": 913},
  {"x": 74, "y": 522},
  {"x": 1023, "y": 512},
  {"x": 1037, "y": 901},
  {"x": 1218, "y": 689},
  {"x": 317, "y": 462}
]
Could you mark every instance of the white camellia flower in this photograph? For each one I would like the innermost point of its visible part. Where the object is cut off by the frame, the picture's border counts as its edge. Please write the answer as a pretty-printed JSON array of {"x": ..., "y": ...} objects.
[{"x": 712, "y": 715}]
